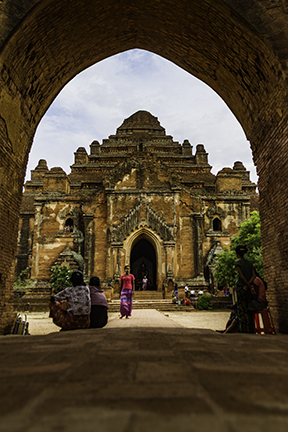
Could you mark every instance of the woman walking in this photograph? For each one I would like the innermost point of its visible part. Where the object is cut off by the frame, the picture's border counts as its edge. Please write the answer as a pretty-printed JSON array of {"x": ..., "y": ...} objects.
[
  {"x": 127, "y": 286},
  {"x": 246, "y": 275}
]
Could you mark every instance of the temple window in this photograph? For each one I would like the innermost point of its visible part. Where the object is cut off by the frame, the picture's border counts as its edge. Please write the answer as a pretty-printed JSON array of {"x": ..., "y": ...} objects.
[
  {"x": 68, "y": 227},
  {"x": 217, "y": 225}
]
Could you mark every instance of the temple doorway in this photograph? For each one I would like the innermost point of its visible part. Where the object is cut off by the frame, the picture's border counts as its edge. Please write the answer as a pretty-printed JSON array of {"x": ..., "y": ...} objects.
[{"x": 143, "y": 263}]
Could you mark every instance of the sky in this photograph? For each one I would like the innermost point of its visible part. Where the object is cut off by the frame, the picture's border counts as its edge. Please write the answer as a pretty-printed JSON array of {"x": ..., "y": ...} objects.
[{"x": 95, "y": 103}]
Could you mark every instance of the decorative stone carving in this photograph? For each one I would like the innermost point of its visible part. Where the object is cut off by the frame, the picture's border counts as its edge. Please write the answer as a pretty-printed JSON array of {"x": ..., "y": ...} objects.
[
  {"x": 211, "y": 262},
  {"x": 175, "y": 181},
  {"x": 138, "y": 181},
  {"x": 133, "y": 221},
  {"x": 215, "y": 210},
  {"x": 66, "y": 257},
  {"x": 110, "y": 180},
  {"x": 79, "y": 258},
  {"x": 212, "y": 257}
]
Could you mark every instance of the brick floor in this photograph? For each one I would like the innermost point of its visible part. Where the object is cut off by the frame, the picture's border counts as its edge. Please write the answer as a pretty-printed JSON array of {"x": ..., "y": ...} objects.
[{"x": 144, "y": 374}]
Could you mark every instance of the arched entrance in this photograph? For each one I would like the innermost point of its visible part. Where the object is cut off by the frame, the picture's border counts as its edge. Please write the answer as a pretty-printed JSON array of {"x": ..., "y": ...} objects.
[{"x": 143, "y": 263}]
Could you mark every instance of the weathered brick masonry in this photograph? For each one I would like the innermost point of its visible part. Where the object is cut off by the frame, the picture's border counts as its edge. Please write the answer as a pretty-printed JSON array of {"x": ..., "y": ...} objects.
[
  {"x": 139, "y": 198},
  {"x": 238, "y": 48}
]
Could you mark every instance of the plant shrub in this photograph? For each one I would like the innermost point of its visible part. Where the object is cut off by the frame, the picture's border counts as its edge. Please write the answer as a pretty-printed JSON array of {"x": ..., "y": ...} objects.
[
  {"x": 204, "y": 302},
  {"x": 60, "y": 278},
  {"x": 22, "y": 284}
]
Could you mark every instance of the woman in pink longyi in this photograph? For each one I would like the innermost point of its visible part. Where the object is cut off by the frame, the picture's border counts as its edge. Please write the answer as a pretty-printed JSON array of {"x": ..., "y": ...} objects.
[{"x": 127, "y": 286}]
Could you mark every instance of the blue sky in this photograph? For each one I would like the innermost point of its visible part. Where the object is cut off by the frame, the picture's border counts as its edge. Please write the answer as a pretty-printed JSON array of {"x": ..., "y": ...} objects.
[{"x": 95, "y": 103}]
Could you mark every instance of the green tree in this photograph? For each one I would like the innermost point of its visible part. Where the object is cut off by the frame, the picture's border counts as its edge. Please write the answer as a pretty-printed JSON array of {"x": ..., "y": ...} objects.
[
  {"x": 225, "y": 272},
  {"x": 250, "y": 236},
  {"x": 60, "y": 278}
]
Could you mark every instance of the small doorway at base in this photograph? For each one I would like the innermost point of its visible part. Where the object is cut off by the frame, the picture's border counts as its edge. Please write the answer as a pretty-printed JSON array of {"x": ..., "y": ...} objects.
[{"x": 143, "y": 263}]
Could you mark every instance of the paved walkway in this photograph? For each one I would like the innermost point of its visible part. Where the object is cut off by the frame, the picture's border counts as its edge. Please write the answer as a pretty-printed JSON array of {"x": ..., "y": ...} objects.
[
  {"x": 146, "y": 318},
  {"x": 41, "y": 324},
  {"x": 129, "y": 377}
]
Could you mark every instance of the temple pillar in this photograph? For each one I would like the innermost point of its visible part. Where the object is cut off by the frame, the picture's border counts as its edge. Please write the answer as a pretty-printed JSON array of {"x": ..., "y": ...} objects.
[
  {"x": 88, "y": 245},
  {"x": 198, "y": 249},
  {"x": 116, "y": 264},
  {"x": 169, "y": 258},
  {"x": 169, "y": 248}
]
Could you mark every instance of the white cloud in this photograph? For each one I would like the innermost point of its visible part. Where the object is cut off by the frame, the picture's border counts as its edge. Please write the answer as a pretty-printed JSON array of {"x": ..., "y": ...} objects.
[{"x": 96, "y": 102}]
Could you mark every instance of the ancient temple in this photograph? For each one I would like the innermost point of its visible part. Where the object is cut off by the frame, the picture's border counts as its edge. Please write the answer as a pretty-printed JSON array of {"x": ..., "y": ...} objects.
[{"x": 140, "y": 198}]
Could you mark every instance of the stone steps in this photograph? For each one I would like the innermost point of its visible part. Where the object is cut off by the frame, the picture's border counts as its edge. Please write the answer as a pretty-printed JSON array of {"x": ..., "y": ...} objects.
[
  {"x": 167, "y": 305},
  {"x": 143, "y": 295},
  {"x": 37, "y": 300},
  {"x": 160, "y": 304},
  {"x": 34, "y": 300},
  {"x": 148, "y": 295}
]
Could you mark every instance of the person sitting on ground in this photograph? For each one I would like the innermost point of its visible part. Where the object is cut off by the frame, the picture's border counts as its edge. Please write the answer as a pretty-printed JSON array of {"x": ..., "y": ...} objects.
[
  {"x": 192, "y": 294},
  {"x": 187, "y": 302},
  {"x": 70, "y": 308},
  {"x": 99, "y": 306}
]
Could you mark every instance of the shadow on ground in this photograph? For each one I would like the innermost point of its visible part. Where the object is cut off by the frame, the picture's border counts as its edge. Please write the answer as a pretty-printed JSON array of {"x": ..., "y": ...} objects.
[{"x": 155, "y": 377}]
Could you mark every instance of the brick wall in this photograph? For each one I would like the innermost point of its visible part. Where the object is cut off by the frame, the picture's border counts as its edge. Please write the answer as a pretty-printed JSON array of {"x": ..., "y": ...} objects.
[
  {"x": 10, "y": 193},
  {"x": 271, "y": 156}
]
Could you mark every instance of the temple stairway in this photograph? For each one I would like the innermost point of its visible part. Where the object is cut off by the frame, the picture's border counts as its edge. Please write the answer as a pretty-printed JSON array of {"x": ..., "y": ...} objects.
[
  {"x": 37, "y": 300},
  {"x": 145, "y": 300}
]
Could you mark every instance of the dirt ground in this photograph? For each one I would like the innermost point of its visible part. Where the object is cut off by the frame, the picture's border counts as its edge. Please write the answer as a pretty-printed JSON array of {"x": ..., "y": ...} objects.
[
  {"x": 40, "y": 323},
  {"x": 201, "y": 320}
]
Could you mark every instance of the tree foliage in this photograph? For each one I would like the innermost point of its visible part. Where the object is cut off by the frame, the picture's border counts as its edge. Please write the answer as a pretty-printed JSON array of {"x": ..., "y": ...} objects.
[
  {"x": 60, "y": 278},
  {"x": 250, "y": 236},
  {"x": 225, "y": 272}
]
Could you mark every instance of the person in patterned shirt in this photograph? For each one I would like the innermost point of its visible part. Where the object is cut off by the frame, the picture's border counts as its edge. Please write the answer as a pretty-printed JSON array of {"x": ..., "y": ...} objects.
[{"x": 70, "y": 308}]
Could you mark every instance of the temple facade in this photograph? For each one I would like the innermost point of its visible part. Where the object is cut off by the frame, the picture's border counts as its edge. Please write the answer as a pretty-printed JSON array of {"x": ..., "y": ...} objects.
[{"x": 140, "y": 198}]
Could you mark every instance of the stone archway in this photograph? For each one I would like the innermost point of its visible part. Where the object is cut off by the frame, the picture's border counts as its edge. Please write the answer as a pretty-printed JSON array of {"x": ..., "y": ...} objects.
[
  {"x": 225, "y": 45},
  {"x": 143, "y": 262},
  {"x": 148, "y": 236}
]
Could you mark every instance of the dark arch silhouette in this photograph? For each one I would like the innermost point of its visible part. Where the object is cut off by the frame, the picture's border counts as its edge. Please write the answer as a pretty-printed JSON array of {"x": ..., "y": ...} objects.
[{"x": 243, "y": 61}]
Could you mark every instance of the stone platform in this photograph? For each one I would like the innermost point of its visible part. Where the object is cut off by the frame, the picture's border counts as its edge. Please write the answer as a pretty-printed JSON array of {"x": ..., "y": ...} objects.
[{"x": 147, "y": 373}]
